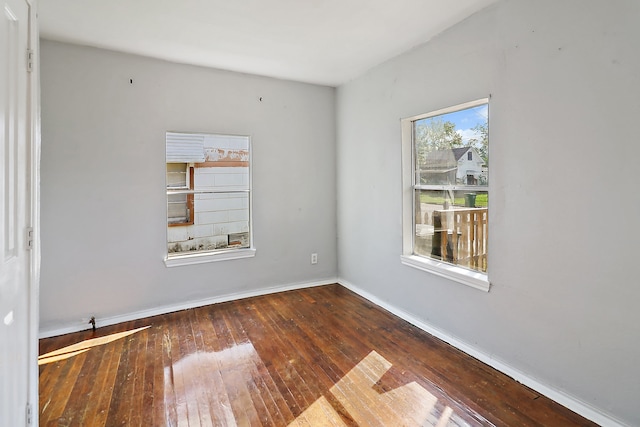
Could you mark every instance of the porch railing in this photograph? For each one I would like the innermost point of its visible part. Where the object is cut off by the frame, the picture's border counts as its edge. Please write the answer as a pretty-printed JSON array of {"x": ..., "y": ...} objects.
[{"x": 460, "y": 237}]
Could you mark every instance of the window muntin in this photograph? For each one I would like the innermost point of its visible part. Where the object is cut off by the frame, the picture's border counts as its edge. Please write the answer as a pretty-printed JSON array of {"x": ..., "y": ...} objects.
[
  {"x": 449, "y": 189},
  {"x": 208, "y": 198}
]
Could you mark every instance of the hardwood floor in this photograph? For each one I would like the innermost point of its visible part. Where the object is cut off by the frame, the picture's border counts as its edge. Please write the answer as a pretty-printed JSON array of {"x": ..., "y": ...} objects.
[{"x": 314, "y": 357}]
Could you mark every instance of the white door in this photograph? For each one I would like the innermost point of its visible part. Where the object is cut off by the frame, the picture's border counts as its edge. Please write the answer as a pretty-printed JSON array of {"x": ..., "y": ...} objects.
[{"x": 14, "y": 213}]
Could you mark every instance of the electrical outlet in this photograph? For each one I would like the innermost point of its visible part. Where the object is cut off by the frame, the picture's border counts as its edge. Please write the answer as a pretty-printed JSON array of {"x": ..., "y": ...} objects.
[{"x": 314, "y": 258}]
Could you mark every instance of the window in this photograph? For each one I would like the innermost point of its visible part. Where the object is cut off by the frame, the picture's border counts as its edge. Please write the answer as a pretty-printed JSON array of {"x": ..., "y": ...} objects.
[
  {"x": 208, "y": 184},
  {"x": 179, "y": 198},
  {"x": 446, "y": 192}
]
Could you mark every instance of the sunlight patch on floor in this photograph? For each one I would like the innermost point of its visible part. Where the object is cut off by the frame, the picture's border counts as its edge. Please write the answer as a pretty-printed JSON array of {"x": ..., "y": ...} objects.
[
  {"x": 83, "y": 346},
  {"x": 408, "y": 405},
  {"x": 320, "y": 413}
]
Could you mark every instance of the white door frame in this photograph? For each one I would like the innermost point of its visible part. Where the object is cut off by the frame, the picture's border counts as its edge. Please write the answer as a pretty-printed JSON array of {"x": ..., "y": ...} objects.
[
  {"x": 20, "y": 214},
  {"x": 33, "y": 187}
]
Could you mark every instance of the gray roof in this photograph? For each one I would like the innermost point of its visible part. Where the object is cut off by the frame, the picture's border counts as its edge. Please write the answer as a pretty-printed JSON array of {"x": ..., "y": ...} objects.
[
  {"x": 444, "y": 159},
  {"x": 459, "y": 152}
]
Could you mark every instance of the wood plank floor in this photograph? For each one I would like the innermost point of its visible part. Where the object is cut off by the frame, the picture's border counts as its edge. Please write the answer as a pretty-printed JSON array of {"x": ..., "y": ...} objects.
[{"x": 314, "y": 357}]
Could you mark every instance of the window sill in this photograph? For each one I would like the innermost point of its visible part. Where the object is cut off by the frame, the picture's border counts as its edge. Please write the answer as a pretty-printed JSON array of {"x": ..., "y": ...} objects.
[
  {"x": 458, "y": 274},
  {"x": 201, "y": 258},
  {"x": 180, "y": 224}
]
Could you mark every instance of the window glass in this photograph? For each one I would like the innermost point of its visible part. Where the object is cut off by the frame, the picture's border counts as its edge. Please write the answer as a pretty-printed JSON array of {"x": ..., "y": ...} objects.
[
  {"x": 450, "y": 188},
  {"x": 179, "y": 204},
  {"x": 208, "y": 193}
]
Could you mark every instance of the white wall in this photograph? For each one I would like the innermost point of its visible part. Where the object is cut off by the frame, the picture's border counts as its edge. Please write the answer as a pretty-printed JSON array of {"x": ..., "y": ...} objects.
[
  {"x": 103, "y": 181},
  {"x": 565, "y": 84}
]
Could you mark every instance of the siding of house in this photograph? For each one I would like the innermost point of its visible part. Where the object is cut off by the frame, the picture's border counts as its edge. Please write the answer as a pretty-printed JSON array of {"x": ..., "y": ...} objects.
[
  {"x": 221, "y": 217},
  {"x": 217, "y": 216},
  {"x": 469, "y": 167}
]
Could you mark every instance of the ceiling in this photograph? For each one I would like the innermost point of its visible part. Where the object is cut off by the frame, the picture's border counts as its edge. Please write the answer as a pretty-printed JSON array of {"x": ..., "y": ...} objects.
[{"x": 327, "y": 42}]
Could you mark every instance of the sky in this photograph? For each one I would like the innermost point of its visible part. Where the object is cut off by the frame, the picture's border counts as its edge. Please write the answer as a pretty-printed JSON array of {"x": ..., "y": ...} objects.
[{"x": 466, "y": 120}]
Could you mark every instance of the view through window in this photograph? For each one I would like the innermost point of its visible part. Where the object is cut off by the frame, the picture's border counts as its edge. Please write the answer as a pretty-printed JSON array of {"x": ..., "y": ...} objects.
[
  {"x": 450, "y": 185},
  {"x": 208, "y": 193}
]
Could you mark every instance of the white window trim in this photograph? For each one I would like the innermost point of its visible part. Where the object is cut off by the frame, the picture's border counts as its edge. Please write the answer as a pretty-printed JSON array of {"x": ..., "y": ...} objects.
[
  {"x": 205, "y": 257},
  {"x": 449, "y": 271},
  {"x": 453, "y": 272}
]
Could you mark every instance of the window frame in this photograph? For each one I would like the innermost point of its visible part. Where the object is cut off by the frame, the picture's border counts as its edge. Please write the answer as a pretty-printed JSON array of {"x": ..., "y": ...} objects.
[
  {"x": 200, "y": 257},
  {"x": 472, "y": 278},
  {"x": 189, "y": 202}
]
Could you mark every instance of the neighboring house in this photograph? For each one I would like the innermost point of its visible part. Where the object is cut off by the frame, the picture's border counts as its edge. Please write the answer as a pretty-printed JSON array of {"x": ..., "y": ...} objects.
[
  {"x": 462, "y": 165},
  {"x": 207, "y": 183}
]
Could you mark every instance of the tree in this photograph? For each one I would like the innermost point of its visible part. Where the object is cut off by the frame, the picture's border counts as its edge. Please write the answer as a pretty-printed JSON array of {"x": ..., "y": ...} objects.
[
  {"x": 481, "y": 144},
  {"x": 435, "y": 134}
]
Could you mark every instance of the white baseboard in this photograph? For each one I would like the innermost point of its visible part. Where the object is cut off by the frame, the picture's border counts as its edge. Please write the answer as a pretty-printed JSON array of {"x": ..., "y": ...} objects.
[
  {"x": 107, "y": 321},
  {"x": 574, "y": 404}
]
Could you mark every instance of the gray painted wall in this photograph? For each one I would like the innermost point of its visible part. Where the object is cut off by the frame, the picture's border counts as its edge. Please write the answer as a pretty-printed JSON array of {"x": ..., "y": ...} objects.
[
  {"x": 565, "y": 84},
  {"x": 103, "y": 173}
]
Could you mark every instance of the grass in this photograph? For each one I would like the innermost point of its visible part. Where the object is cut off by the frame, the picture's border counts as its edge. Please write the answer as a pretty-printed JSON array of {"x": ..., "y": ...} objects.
[{"x": 481, "y": 200}]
